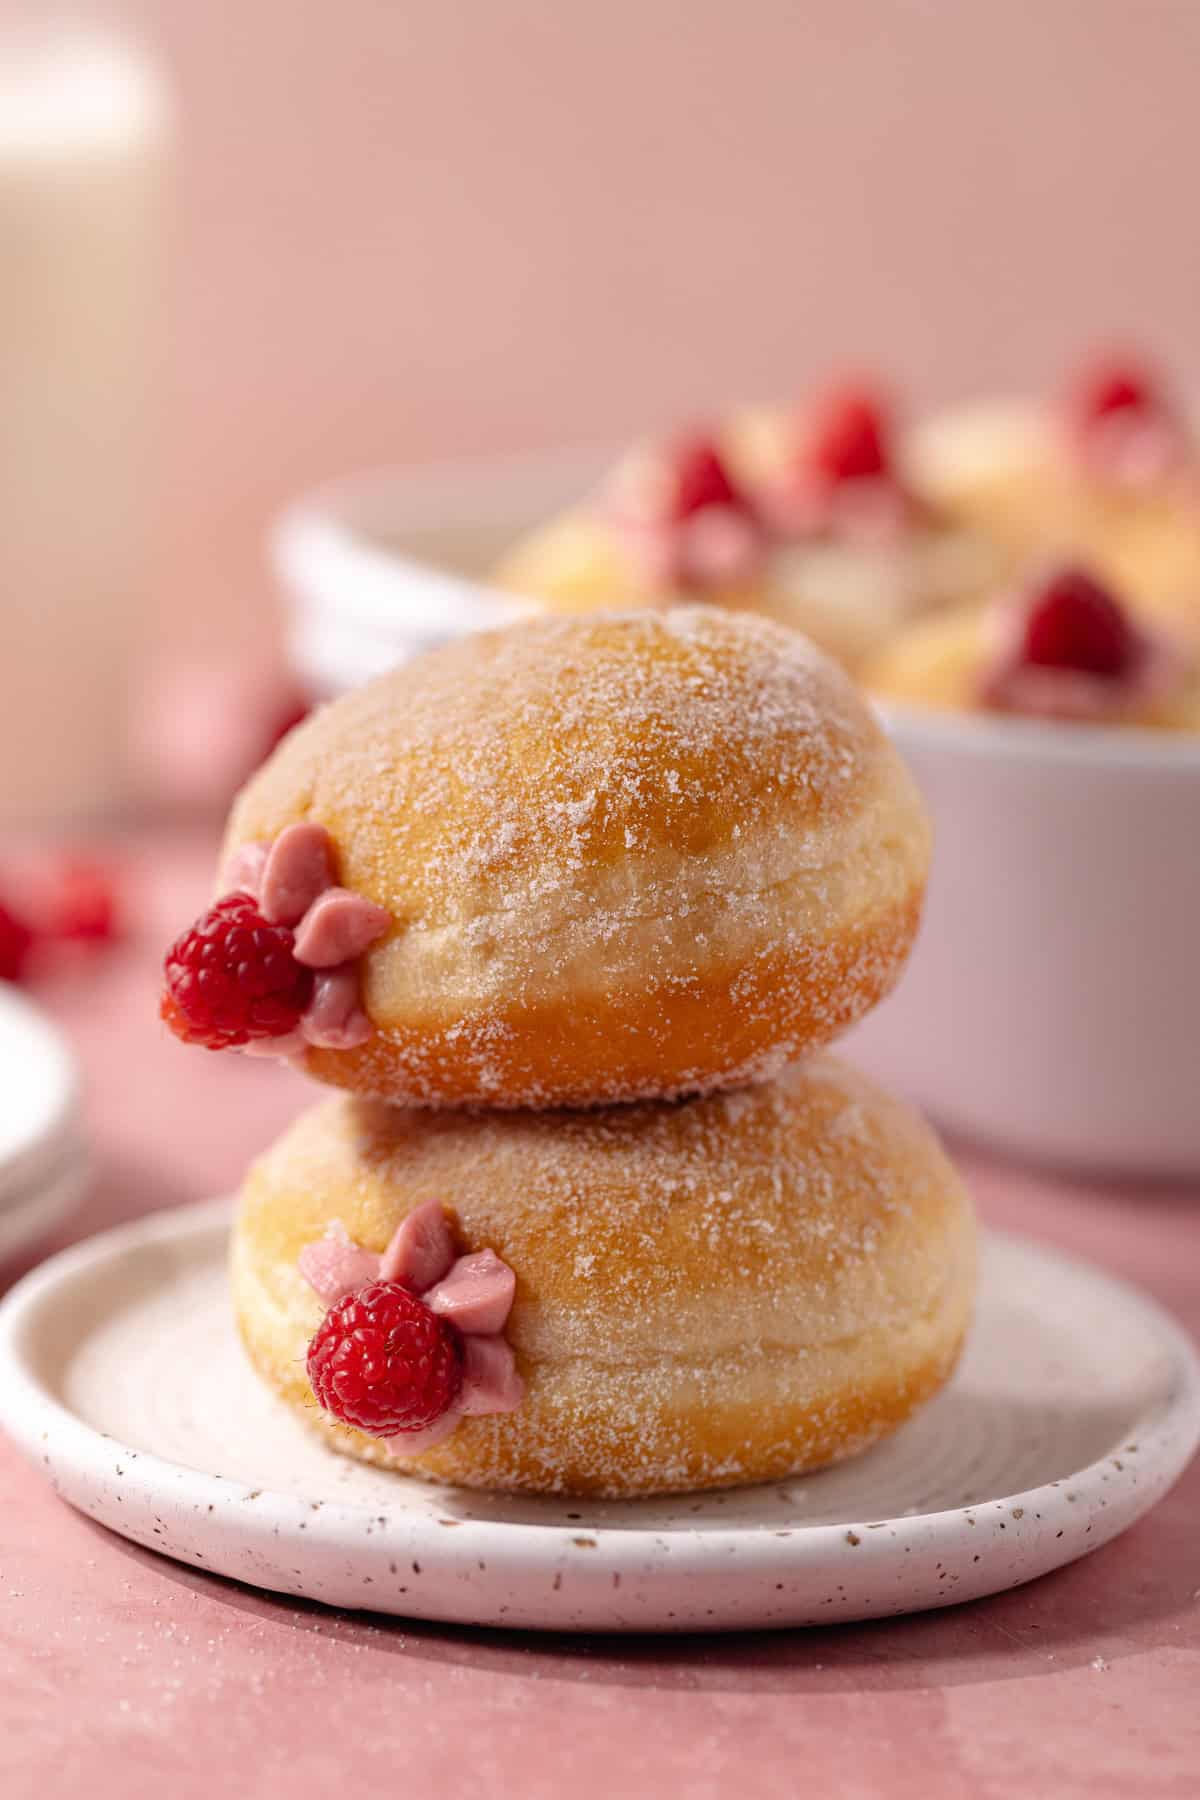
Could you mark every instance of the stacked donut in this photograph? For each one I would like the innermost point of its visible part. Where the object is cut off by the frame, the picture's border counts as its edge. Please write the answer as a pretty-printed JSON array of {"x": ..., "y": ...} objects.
[{"x": 569, "y": 912}]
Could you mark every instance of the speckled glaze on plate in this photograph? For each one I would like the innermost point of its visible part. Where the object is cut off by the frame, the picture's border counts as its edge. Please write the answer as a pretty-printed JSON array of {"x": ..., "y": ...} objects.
[{"x": 1076, "y": 1407}]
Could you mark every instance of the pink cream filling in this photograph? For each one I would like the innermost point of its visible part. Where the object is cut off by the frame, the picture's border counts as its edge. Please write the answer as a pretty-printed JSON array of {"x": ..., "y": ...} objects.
[
  {"x": 292, "y": 881},
  {"x": 475, "y": 1292},
  {"x": 1132, "y": 448},
  {"x": 718, "y": 546},
  {"x": 1009, "y": 684},
  {"x": 871, "y": 511}
]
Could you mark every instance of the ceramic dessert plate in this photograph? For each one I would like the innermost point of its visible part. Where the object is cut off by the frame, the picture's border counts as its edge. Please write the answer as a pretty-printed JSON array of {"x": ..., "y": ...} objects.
[{"x": 1076, "y": 1407}]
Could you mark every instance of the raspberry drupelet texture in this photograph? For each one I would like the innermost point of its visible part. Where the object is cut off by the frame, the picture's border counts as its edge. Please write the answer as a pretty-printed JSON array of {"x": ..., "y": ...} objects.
[
  {"x": 381, "y": 1360},
  {"x": 232, "y": 978}
]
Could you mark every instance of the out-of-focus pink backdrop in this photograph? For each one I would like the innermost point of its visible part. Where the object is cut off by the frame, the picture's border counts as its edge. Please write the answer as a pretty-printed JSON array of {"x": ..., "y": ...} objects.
[{"x": 408, "y": 231}]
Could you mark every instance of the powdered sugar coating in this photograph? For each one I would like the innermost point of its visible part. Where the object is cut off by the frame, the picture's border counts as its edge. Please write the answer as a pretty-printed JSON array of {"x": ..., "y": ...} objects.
[{"x": 626, "y": 855}]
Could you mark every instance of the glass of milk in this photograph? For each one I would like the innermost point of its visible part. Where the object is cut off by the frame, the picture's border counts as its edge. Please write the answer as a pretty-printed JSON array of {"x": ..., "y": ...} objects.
[{"x": 84, "y": 129}]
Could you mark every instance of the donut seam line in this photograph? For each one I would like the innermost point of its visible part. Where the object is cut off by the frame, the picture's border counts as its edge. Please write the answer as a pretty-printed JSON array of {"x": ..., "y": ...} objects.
[
  {"x": 751, "y": 1350},
  {"x": 610, "y": 923}
]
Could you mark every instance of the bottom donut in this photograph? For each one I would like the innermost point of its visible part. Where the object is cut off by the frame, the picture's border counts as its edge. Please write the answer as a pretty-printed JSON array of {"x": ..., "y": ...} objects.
[{"x": 708, "y": 1293}]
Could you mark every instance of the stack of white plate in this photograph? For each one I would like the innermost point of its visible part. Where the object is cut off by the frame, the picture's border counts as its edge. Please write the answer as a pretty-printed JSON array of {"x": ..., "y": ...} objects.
[{"x": 43, "y": 1161}]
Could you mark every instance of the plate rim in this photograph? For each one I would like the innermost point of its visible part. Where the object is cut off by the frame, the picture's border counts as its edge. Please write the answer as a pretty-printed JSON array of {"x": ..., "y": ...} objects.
[{"x": 29, "y": 1408}]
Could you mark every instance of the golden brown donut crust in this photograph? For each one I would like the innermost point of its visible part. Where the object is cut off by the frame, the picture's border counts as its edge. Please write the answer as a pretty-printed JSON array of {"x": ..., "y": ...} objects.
[
  {"x": 627, "y": 855},
  {"x": 711, "y": 1292}
]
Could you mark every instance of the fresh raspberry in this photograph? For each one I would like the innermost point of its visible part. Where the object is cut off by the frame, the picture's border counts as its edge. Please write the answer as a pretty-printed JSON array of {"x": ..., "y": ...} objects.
[
  {"x": 382, "y": 1361},
  {"x": 16, "y": 941},
  {"x": 1112, "y": 385},
  {"x": 849, "y": 436},
  {"x": 82, "y": 903},
  {"x": 233, "y": 977},
  {"x": 1072, "y": 622},
  {"x": 699, "y": 479}
]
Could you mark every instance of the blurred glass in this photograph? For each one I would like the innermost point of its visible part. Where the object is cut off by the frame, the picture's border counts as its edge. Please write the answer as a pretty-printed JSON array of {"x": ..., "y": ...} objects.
[{"x": 84, "y": 140}]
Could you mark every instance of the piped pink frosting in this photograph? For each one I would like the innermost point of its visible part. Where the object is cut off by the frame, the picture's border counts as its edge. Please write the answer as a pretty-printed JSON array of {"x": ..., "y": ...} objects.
[
  {"x": 474, "y": 1292},
  {"x": 719, "y": 546},
  {"x": 1133, "y": 448},
  {"x": 294, "y": 883},
  {"x": 715, "y": 540},
  {"x": 872, "y": 511}
]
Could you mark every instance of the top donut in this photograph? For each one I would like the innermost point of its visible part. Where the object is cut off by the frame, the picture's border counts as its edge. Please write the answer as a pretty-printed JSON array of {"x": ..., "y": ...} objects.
[{"x": 621, "y": 856}]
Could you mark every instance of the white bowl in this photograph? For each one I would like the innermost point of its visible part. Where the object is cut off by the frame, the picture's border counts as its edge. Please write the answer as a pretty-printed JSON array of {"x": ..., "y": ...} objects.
[
  {"x": 1053, "y": 1002},
  {"x": 384, "y": 564}
]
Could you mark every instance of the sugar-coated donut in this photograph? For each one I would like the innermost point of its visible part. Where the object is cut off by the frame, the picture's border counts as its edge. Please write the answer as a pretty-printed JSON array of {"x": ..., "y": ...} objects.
[
  {"x": 712, "y": 1292},
  {"x": 625, "y": 856}
]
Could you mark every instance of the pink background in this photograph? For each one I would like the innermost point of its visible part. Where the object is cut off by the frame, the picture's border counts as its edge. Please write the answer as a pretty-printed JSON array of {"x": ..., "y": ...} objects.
[{"x": 415, "y": 230}]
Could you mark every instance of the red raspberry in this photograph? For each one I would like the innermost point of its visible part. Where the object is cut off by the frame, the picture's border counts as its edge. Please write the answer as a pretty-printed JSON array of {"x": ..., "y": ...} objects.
[
  {"x": 16, "y": 941},
  {"x": 233, "y": 977},
  {"x": 849, "y": 436},
  {"x": 699, "y": 479},
  {"x": 1110, "y": 386},
  {"x": 1071, "y": 622},
  {"x": 382, "y": 1361},
  {"x": 82, "y": 903}
]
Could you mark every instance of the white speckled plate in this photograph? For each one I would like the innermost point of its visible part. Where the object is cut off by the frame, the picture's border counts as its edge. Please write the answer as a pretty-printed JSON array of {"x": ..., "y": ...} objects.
[{"x": 1076, "y": 1407}]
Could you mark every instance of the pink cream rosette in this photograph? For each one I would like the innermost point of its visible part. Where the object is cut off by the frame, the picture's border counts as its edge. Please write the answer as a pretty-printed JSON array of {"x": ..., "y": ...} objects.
[
  {"x": 473, "y": 1292},
  {"x": 292, "y": 881}
]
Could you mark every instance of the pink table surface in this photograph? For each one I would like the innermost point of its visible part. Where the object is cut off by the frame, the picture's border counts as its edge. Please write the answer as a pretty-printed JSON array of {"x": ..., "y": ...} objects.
[{"x": 124, "y": 1674}]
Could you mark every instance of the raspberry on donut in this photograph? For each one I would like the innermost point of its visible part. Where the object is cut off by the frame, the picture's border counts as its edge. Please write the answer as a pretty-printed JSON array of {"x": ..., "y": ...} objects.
[
  {"x": 383, "y": 1361},
  {"x": 232, "y": 978}
]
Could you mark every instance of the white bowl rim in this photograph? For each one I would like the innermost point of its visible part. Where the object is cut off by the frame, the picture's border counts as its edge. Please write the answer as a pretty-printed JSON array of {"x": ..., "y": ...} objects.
[
  {"x": 319, "y": 548},
  {"x": 501, "y": 470},
  {"x": 1036, "y": 740}
]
